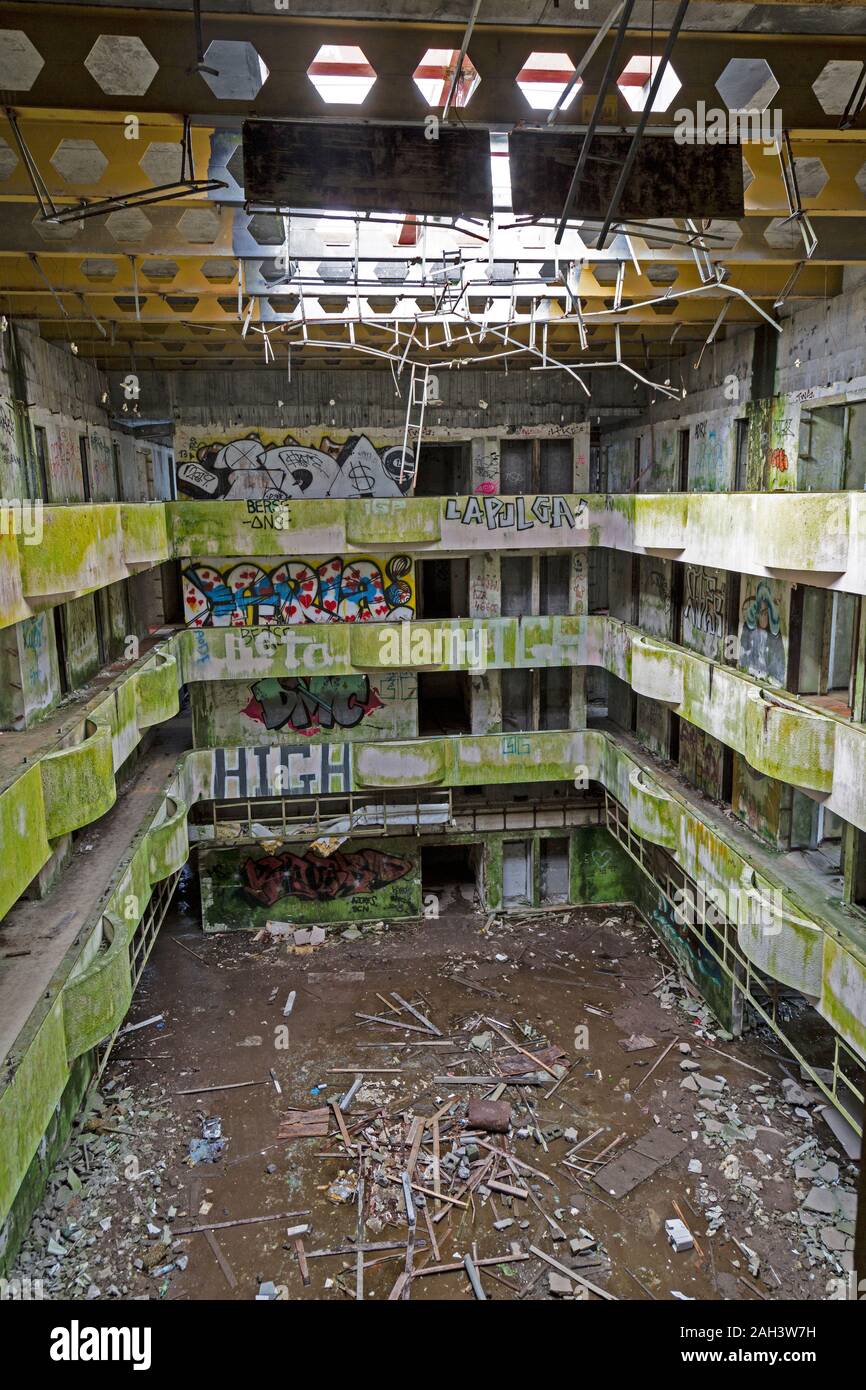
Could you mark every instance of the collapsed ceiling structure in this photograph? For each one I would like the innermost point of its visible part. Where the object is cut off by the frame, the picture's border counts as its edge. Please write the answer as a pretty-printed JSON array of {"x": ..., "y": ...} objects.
[{"x": 155, "y": 240}]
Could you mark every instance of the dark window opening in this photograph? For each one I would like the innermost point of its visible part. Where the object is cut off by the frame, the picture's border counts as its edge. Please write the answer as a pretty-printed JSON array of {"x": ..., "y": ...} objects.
[
  {"x": 515, "y": 467},
  {"x": 60, "y": 643},
  {"x": 554, "y": 586},
  {"x": 443, "y": 588},
  {"x": 41, "y": 438},
  {"x": 741, "y": 468},
  {"x": 517, "y": 701},
  {"x": 553, "y": 871},
  {"x": 554, "y": 697},
  {"x": 516, "y": 582},
  {"x": 448, "y": 871},
  {"x": 444, "y": 702},
  {"x": 443, "y": 470},
  {"x": 556, "y": 472},
  {"x": 85, "y": 467},
  {"x": 683, "y": 463}
]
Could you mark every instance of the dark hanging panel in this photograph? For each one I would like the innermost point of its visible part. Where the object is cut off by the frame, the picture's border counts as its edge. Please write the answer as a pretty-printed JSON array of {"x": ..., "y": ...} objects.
[
  {"x": 668, "y": 179},
  {"x": 368, "y": 167}
]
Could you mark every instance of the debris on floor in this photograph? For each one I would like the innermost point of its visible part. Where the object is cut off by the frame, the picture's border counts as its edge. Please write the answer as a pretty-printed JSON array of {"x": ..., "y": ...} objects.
[{"x": 477, "y": 1130}]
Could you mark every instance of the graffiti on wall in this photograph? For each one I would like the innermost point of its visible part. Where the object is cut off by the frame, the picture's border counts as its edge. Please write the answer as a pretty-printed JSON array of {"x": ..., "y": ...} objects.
[
  {"x": 299, "y": 591},
  {"x": 309, "y": 706},
  {"x": 519, "y": 513},
  {"x": 703, "y": 610},
  {"x": 308, "y": 876},
  {"x": 701, "y": 759},
  {"x": 319, "y": 769},
  {"x": 757, "y": 800},
  {"x": 700, "y": 963},
  {"x": 655, "y": 599},
  {"x": 235, "y": 469},
  {"x": 762, "y": 644}
]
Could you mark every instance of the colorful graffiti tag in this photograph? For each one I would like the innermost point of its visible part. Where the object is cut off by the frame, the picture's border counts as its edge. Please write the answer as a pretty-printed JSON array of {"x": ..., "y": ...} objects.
[
  {"x": 700, "y": 963},
  {"x": 299, "y": 591},
  {"x": 762, "y": 645},
  {"x": 340, "y": 875},
  {"x": 309, "y": 706},
  {"x": 235, "y": 469}
]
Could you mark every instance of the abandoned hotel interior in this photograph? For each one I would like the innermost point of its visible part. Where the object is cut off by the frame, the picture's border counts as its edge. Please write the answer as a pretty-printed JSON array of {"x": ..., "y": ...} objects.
[{"x": 433, "y": 666}]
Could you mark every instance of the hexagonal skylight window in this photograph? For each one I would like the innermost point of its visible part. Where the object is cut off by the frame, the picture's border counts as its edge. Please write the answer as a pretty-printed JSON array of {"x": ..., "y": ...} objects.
[
  {"x": 128, "y": 224},
  {"x": 8, "y": 159},
  {"x": 811, "y": 176},
  {"x": 337, "y": 272},
  {"x": 241, "y": 73},
  {"x": 835, "y": 83},
  {"x": 782, "y": 234},
  {"x": 235, "y": 166},
  {"x": 98, "y": 268},
  {"x": 747, "y": 84},
  {"x": 748, "y": 175},
  {"x": 200, "y": 226},
  {"x": 341, "y": 74},
  {"x": 267, "y": 229},
  {"x": 159, "y": 269},
  {"x": 121, "y": 65},
  {"x": 57, "y": 231},
  {"x": 636, "y": 78},
  {"x": 20, "y": 63},
  {"x": 722, "y": 234},
  {"x": 661, "y": 273},
  {"x": 391, "y": 272},
  {"x": 162, "y": 161},
  {"x": 543, "y": 79},
  {"x": 435, "y": 73},
  {"x": 219, "y": 272},
  {"x": 79, "y": 161}
]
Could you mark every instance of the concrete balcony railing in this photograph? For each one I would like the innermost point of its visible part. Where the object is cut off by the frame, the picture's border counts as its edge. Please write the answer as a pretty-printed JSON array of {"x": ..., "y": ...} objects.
[
  {"x": 168, "y": 847},
  {"x": 789, "y": 742},
  {"x": 652, "y": 814},
  {"x": 657, "y": 670},
  {"x": 661, "y": 523},
  {"x": 781, "y": 736},
  {"x": 393, "y": 521},
  {"x": 98, "y": 992},
  {"x": 83, "y": 548},
  {"x": 73, "y": 550},
  {"x": 778, "y": 939},
  {"x": 78, "y": 782}
]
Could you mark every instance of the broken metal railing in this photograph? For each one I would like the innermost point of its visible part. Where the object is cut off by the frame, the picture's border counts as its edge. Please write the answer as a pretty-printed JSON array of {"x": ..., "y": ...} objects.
[
  {"x": 140, "y": 947},
  {"x": 756, "y": 990},
  {"x": 49, "y": 212},
  {"x": 434, "y": 813}
]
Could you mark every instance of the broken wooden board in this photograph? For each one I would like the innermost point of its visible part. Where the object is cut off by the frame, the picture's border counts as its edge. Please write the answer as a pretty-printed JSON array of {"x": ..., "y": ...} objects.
[
  {"x": 513, "y": 1064},
  {"x": 667, "y": 180},
  {"x": 651, "y": 1152},
  {"x": 372, "y": 167},
  {"x": 304, "y": 1124}
]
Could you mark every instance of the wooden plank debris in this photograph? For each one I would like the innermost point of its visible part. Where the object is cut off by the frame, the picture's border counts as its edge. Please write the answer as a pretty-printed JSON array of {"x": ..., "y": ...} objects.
[
  {"x": 304, "y": 1124},
  {"x": 573, "y": 1275}
]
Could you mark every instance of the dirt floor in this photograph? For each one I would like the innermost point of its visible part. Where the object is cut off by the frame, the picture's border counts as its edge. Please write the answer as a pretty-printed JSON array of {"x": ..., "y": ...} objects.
[{"x": 753, "y": 1172}]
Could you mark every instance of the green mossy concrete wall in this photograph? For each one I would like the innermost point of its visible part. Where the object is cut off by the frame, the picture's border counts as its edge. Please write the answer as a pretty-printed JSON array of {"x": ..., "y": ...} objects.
[
  {"x": 363, "y": 881},
  {"x": 321, "y": 709},
  {"x": 32, "y": 1186},
  {"x": 600, "y": 869}
]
